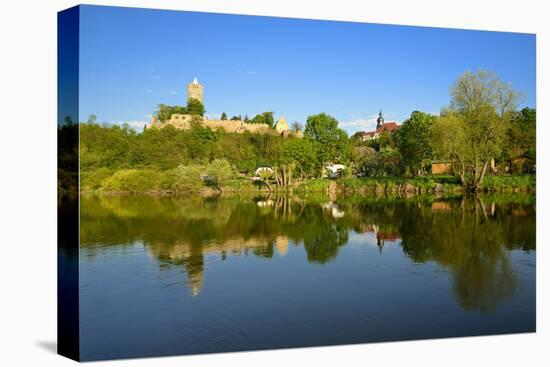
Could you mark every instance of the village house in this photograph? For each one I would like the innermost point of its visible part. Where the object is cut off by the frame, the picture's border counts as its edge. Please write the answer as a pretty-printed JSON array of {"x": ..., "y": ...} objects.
[{"x": 381, "y": 126}]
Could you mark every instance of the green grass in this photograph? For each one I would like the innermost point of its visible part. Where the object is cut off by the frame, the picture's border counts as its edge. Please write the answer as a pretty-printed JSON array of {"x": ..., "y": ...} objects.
[
  {"x": 313, "y": 185},
  {"x": 167, "y": 181},
  {"x": 509, "y": 183},
  {"x": 396, "y": 184}
]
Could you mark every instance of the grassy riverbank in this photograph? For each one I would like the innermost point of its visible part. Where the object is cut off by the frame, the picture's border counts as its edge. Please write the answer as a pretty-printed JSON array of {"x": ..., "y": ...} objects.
[
  {"x": 425, "y": 184},
  {"x": 152, "y": 181}
]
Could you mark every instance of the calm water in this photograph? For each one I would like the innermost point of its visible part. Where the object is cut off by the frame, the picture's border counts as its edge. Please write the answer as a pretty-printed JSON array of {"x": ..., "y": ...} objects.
[{"x": 164, "y": 276}]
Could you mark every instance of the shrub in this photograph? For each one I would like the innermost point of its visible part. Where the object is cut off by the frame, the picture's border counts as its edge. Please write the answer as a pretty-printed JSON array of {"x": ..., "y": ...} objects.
[
  {"x": 91, "y": 180},
  {"x": 132, "y": 180}
]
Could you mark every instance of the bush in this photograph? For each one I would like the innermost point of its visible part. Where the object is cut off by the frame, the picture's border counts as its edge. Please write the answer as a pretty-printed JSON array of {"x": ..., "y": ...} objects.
[
  {"x": 91, "y": 180},
  {"x": 188, "y": 178},
  {"x": 132, "y": 180}
]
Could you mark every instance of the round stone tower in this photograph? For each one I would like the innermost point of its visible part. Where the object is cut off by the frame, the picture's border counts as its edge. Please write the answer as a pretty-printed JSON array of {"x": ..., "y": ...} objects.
[{"x": 195, "y": 90}]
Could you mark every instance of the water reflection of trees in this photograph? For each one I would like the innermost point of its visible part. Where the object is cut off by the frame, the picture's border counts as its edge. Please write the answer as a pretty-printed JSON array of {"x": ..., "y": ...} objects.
[
  {"x": 473, "y": 243},
  {"x": 470, "y": 237}
]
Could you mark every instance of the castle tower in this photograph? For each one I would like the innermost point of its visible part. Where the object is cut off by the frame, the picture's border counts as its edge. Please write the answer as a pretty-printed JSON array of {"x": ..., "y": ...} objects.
[
  {"x": 195, "y": 90},
  {"x": 379, "y": 120}
]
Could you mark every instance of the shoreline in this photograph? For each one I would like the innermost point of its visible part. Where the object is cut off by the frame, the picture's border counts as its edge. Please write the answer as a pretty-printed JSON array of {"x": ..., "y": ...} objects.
[{"x": 350, "y": 186}]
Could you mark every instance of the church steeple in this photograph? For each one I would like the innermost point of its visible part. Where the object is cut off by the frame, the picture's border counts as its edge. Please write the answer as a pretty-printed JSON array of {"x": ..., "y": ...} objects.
[{"x": 379, "y": 120}]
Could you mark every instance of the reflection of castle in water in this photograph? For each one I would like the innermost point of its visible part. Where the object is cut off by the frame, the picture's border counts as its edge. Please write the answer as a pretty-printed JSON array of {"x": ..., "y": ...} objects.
[{"x": 192, "y": 257}]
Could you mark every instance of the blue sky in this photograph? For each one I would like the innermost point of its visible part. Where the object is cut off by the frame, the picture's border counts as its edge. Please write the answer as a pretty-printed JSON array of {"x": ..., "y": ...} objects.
[{"x": 133, "y": 59}]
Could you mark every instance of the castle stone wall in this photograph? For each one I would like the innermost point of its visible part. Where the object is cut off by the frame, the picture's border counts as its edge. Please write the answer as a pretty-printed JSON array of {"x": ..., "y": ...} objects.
[{"x": 181, "y": 121}]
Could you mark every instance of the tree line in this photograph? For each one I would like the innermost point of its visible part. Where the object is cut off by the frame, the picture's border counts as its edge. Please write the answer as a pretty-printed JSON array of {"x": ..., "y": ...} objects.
[{"x": 481, "y": 125}]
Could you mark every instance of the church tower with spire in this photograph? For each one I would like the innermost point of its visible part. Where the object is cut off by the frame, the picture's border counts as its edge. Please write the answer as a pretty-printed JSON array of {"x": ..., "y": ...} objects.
[
  {"x": 195, "y": 90},
  {"x": 379, "y": 120}
]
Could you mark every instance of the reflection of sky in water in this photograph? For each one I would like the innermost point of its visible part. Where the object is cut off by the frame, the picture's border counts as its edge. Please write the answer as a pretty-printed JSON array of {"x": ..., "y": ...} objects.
[{"x": 233, "y": 275}]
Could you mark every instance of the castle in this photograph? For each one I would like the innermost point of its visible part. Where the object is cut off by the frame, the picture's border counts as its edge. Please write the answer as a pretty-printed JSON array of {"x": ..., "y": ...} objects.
[{"x": 184, "y": 121}]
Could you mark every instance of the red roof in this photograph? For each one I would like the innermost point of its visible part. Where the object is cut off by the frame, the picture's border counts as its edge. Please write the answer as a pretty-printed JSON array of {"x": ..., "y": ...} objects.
[
  {"x": 387, "y": 236},
  {"x": 388, "y": 126}
]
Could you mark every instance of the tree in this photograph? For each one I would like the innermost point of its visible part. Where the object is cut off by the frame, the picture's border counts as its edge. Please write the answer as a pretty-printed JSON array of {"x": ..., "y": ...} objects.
[
  {"x": 68, "y": 120},
  {"x": 268, "y": 118},
  {"x": 264, "y": 118},
  {"x": 296, "y": 156},
  {"x": 478, "y": 98},
  {"x": 92, "y": 119},
  {"x": 195, "y": 107},
  {"x": 165, "y": 112},
  {"x": 258, "y": 119},
  {"x": 224, "y": 116},
  {"x": 266, "y": 175},
  {"x": 296, "y": 126},
  {"x": 481, "y": 106},
  {"x": 521, "y": 135},
  {"x": 332, "y": 143},
  {"x": 415, "y": 141},
  {"x": 236, "y": 118},
  {"x": 221, "y": 171},
  {"x": 365, "y": 159},
  {"x": 389, "y": 162}
]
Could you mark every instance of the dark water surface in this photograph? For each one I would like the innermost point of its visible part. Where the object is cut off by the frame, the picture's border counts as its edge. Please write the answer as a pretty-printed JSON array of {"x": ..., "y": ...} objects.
[{"x": 161, "y": 276}]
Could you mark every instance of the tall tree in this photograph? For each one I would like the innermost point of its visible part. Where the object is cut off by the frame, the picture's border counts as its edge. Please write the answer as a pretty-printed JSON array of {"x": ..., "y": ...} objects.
[
  {"x": 195, "y": 107},
  {"x": 332, "y": 143},
  {"x": 224, "y": 116},
  {"x": 481, "y": 106},
  {"x": 268, "y": 118},
  {"x": 296, "y": 126},
  {"x": 415, "y": 141},
  {"x": 92, "y": 119},
  {"x": 521, "y": 135}
]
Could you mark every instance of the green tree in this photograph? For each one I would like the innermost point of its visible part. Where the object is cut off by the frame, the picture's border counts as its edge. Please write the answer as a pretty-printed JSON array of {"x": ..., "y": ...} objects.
[
  {"x": 296, "y": 126},
  {"x": 389, "y": 162},
  {"x": 297, "y": 156},
  {"x": 68, "y": 120},
  {"x": 332, "y": 143},
  {"x": 269, "y": 119},
  {"x": 92, "y": 119},
  {"x": 165, "y": 112},
  {"x": 415, "y": 141},
  {"x": 264, "y": 118},
  {"x": 365, "y": 159},
  {"x": 221, "y": 170},
  {"x": 258, "y": 119},
  {"x": 481, "y": 106},
  {"x": 521, "y": 135},
  {"x": 224, "y": 116},
  {"x": 195, "y": 107}
]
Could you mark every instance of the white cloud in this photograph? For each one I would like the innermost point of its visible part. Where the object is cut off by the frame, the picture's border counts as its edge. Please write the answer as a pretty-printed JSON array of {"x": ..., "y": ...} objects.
[
  {"x": 359, "y": 124},
  {"x": 173, "y": 92},
  {"x": 251, "y": 72}
]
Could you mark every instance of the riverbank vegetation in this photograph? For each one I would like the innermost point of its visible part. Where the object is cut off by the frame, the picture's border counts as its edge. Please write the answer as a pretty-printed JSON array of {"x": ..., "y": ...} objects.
[{"x": 489, "y": 144}]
